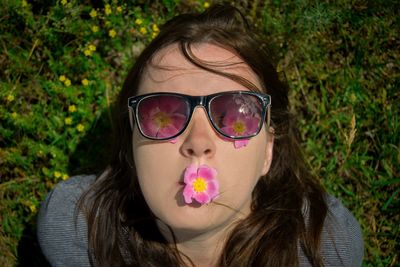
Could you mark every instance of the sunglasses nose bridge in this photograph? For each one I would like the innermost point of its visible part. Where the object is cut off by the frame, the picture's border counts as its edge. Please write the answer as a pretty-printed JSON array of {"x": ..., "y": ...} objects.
[
  {"x": 198, "y": 101},
  {"x": 202, "y": 103}
]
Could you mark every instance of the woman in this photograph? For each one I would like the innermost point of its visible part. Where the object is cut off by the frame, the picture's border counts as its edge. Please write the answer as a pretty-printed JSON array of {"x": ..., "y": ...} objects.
[{"x": 207, "y": 170}]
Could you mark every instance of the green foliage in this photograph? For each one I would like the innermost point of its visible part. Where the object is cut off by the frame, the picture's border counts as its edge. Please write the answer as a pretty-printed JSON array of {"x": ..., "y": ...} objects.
[
  {"x": 62, "y": 64},
  {"x": 342, "y": 62}
]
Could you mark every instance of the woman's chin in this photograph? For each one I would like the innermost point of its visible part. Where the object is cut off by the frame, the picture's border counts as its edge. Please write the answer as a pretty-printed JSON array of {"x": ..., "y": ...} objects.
[{"x": 194, "y": 217}]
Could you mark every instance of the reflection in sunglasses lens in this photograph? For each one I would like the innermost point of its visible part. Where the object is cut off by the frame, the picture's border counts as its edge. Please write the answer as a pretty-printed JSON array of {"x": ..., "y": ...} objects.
[
  {"x": 236, "y": 115},
  {"x": 162, "y": 116}
]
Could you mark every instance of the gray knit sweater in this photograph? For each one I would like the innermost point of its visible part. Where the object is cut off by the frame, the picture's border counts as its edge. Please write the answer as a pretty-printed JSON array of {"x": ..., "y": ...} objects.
[{"x": 63, "y": 244}]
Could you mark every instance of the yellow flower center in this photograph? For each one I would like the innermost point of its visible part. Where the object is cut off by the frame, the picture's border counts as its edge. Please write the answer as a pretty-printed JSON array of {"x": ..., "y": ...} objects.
[
  {"x": 239, "y": 127},
  {"x": 162, "y": 119},
  {"x": 200, "y": 185}
]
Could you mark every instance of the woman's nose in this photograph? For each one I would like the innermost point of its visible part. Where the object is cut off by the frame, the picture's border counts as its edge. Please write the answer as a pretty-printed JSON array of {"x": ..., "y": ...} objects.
[{"x": 200, "y": 138}]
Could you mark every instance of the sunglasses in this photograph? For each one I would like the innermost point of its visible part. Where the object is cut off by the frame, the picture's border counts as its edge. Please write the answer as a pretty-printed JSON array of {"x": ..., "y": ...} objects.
[{"x": 234, "y": 114}]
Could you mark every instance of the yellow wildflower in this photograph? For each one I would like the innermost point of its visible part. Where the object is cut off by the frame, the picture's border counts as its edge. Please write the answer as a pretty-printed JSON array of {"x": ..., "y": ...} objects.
[
  {"x": 40, "y": 153},
  {"x": 112, "y": 33},
  {"x": 67, "y": 82},
  {"x": 68, "y": 121},
  {"x": 154, "y": 34},
  {"x": 155, "y": 28},
  {"x": 65, "y": 177},
  {"x": 14, "y": 115},
  {"x": 80, "y": 127},
  {"x": 87, "y": 52},
  {"x": 93, "y": 13},
  {"x": 62, "y": 78},
  {"x": 24, "y": 3},
  {"x": 72, "y": 108},
  {"x": 85, "y": 82},
  {"x": 107, "y": 9},
  {"x": 119, "y": 9},
  {"x": 92, "y": 47},
  {"x": 206, "y": 4},
  {"x": 57, "y": 174},
  {"x": 64, "y": 2},
  {"x": 353, "y": 97},
  {"x": 32, "y": 207},
  {"x": 138, "y": 21},
  {"x": 143, "y": 30},
  {"x": 95, "y": 28},
  {"x": 10, "y": 98}
]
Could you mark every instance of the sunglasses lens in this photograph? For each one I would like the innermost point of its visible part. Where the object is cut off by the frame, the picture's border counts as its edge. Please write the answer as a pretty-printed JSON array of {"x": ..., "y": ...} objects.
[
  {"x": 237, "y": 115},
  {"x": 162, "y": 116}
]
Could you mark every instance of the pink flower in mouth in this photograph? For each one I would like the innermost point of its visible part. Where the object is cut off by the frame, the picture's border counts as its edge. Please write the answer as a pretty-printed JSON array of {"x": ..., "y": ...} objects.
[
  {"x": 200, "y": 184},
  {"x": 163, "y": 118}
]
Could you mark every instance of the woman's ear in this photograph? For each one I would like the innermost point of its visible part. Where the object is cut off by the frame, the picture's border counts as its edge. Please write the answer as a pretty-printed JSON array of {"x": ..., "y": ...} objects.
[{"x": 268, "y": 150}]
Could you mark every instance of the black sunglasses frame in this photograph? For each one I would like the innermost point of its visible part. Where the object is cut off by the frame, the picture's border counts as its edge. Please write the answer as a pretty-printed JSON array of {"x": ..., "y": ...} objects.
[{"x": 194, "y": 101}]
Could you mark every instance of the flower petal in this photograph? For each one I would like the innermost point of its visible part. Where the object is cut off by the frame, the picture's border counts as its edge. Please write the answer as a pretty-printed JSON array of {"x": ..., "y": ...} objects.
[
  {"x": 252, "y": 124},
  {"x": 213, "y": 189},
  {"x": 173, "y": 141},
  {"x": 190, "y": 174},
  {"x": 172, "y": 104},
  {"x": 206, "y": 172},
  {"x": 241, "y": 143},
  {"x": 228, "y": 130},
  {"x": 188, "y": 193},
  {"x": 202, "y": 198},
  {"x": 149, "y": 107},
  {"x": 167, "y": 131},
  {"x": 230, "y": 117},
  {"x": 149, "y": 128},
  {"x": 178, "y": 120}
]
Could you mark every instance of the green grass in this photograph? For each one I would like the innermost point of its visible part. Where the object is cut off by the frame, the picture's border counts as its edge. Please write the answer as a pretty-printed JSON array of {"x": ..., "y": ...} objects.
[{"x": 340, "y": 58}]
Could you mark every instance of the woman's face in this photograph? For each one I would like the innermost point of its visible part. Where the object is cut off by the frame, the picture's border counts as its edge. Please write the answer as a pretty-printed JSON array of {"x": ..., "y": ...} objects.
[{"x": 160, "y": 164}]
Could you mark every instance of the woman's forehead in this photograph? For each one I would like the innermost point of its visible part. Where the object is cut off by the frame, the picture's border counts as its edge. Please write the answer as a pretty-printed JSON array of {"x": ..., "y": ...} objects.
[
  {"x": 207, "y": 52},
  {"x": 169, "y": 63}
]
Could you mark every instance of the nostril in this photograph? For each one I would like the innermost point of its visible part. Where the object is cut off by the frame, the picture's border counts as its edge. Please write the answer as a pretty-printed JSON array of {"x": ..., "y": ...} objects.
[
  {"x": 190, "y": 152},
  {"x": 207, "y": 151}
]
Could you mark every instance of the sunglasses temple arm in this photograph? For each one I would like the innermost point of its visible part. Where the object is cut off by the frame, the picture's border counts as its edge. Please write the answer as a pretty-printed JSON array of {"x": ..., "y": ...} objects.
[
  {"x": 130, "y": 110},
  {"x": 268, "y": 116}
]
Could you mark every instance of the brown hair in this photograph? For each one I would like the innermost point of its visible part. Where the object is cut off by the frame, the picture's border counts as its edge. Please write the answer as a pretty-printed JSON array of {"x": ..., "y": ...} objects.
[{"x": 288, "y": 208}]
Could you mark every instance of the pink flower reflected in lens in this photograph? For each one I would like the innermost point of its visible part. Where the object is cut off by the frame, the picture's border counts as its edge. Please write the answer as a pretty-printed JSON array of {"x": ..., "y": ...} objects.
[
  {"x": 236, "y": 124},
  {"x": 162, "y": 116},
  {"x": 200, "y": 184}
]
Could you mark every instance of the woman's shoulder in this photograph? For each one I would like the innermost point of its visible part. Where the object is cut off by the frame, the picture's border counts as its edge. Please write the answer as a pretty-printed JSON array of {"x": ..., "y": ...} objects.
[
  {"x": 62, "y": 239},
  {"x": 65, "y": 193},
  {"x": 342, "y": 243}
]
